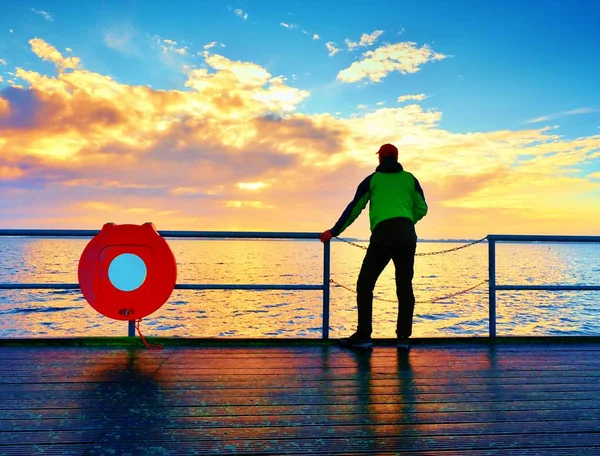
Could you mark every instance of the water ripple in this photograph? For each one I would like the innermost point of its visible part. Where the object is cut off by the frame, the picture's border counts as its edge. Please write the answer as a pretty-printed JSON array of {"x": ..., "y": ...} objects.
[{"x": 24, "y": 310}]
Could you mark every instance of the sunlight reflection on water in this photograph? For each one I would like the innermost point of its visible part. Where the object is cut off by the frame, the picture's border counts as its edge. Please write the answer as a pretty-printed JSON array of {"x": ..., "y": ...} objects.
[{"x": 216, "y": 313}]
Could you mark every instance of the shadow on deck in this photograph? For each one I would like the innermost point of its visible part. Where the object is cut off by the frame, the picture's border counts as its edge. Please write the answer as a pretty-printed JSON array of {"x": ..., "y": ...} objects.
[{"x": 540, "y": 397}]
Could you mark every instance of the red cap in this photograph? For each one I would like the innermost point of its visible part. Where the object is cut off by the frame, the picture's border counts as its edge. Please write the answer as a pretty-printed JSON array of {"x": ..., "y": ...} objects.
[{"x": 388, "y": 150}]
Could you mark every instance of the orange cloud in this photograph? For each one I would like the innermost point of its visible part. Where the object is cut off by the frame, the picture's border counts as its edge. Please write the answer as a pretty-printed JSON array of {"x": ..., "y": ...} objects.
[
  {"x": 251, "y": 185},
  {"x": 78, "y": 149},
  {"x": 10, "y": 172},
  {"x": 48, "y": 52},
  {"x": 4, "y": 107}
]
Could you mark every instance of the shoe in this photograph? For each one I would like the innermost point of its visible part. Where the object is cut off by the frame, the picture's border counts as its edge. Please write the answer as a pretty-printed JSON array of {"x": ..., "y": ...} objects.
[
  {"x": 402, "y": 343},
  {"x": 357, "y": 340}
]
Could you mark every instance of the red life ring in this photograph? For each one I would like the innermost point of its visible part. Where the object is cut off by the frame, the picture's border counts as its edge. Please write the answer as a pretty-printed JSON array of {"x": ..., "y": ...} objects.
[{"x": 126, "y": 272}]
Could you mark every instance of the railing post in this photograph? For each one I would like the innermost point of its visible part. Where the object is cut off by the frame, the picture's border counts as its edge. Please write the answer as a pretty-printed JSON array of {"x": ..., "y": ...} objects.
[
  {"x": 131, "y": 329},
  {"x": 326, "y": 275},
  {"x": 492, "y": 285}
]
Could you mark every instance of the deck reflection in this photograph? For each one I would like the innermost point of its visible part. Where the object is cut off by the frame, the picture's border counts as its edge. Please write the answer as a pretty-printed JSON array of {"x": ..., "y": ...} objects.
[{"x": 486, "y": 399}]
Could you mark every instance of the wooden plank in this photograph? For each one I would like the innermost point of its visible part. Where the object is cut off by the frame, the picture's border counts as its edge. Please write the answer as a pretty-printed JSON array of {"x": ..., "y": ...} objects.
[
  {"x": 404, "y": 394},
  {"x": 155, "y": 410},
  {"x": 136, "y": 449},
  {"x": 52, "y": 450},
  {"x": 294, "y": 400},
  {"x": 461, "y": 435},
  {"x": 364, "y": 387},
  {"x": 300, "y": 374},
  {"x": 491, "y": 431},
  {"x": 307, "y": 352},
  {"x": 342, "y": 446},
  {"x": 168, "y": 420},
  {"x": 286, "y": 400},
  {"x": 325, "y": 376},
  {"x": 379, "y": 353},
  {"x": 555, "y": 406},
  {"x": 243, "y": 384},
  {"x": 524, "y": 368}
]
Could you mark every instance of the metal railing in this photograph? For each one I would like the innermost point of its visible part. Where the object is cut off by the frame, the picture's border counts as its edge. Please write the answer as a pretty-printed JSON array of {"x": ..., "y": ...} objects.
[
  {"x": 188, "y": 286},
  {"x": 492, "y": 239},
  {"x": 493, "y": 287}
]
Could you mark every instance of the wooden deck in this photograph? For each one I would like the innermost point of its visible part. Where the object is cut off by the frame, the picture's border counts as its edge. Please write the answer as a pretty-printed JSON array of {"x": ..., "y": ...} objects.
[{"x": 440, "y": 399}]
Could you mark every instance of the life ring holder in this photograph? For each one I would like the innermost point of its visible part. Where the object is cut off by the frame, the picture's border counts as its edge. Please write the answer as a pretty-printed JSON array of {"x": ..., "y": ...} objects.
[{"x": 127, "y": 272}]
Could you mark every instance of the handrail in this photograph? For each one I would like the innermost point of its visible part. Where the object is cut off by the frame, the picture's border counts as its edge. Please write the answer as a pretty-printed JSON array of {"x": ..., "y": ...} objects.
[
  {"x": 163, "y": 233},
  {"x": 187, "y": 286},
  {"x": 493, "y": 287},
  {"x": 540, "y": 238},
  {"x": 492, "y": 239}
]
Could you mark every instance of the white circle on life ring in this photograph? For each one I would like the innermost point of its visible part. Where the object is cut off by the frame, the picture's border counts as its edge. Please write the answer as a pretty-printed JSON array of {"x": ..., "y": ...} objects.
[{"x": 127, "y": 272}]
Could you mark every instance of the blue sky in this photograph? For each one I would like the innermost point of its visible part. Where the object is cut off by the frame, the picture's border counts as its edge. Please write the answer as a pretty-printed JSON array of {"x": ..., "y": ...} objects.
[
  {"x": 507, "y": 66},
  {"x": 510, "y": 61}
]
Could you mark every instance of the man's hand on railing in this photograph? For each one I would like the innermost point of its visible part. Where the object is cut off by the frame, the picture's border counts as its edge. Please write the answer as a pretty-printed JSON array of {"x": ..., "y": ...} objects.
[{"x": 326, "y": 236}]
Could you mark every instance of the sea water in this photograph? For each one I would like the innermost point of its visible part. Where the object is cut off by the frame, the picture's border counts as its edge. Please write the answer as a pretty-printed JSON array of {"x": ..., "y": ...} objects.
[{"x": 271, "y": 314}]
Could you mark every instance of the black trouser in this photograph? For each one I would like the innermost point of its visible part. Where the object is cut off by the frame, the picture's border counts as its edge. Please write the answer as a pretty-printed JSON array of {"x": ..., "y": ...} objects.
[{"x": 396, "y": 240}]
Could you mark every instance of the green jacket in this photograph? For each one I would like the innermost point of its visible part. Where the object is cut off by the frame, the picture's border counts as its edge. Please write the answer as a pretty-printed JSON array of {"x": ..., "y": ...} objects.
[{"x": 392, "y": 192}]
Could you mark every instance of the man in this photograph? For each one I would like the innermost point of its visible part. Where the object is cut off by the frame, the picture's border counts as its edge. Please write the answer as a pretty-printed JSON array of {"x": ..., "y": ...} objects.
[{"x": 397, "y": 204}]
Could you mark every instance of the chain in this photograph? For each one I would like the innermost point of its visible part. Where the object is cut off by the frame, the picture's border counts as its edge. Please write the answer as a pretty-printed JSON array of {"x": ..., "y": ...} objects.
[
  {"x": 441, "y": 298},
  {"x": 422, "y": 254},
  {"x": 453, "y": 249}
]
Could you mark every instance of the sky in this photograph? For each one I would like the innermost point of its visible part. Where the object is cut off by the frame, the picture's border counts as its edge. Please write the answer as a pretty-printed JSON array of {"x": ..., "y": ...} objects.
[{"x": 265, "y": 116}]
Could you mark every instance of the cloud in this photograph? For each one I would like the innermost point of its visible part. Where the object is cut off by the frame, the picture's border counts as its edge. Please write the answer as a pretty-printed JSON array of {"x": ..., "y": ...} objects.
[
  {"x": 333, "y": 50},
  {"x": 251, "y": 185},
  {"x": 419, "y": 97},
  {"x": 288, "y": 26},
  {"x": 572, "y": 112},
  {"x": 365, "y": 40},
  {"x": 248, "y": 204},
  {"x": 44, "y": 14},
  {"x": 314, "y": 35},
  {"x": 1, "y": 79},
  {"x": 48, "y": 52},
  {"x": 171, "y": 46},
  {"x": 402, "y": 57},
  {"x": 230, "y": 150},
  {"x": 362, "y": 106},
  {"x": 11, "y": 31},
  {"x": 3, "y": 62},
  {"x": 240, "y": 13},
  {"x": 210, "y": 45},
  {"x": 238, "y": 88},
  {"x": 98, "y": 206}
]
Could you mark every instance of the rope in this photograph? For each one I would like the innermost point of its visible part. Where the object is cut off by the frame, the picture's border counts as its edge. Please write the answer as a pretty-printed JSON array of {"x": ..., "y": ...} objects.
[
  {"x": 422, "y": 254},
  {"x": 441, "y": 298},
  {"x": 148, "y": 346}
]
